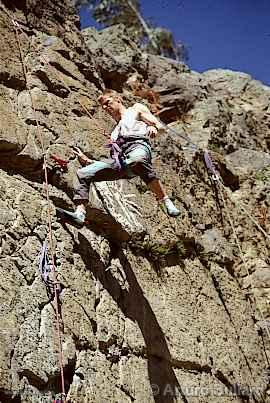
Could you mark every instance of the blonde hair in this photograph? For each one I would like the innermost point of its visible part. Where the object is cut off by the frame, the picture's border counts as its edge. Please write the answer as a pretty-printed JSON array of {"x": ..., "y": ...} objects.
[{"x": 109, "y": 93}]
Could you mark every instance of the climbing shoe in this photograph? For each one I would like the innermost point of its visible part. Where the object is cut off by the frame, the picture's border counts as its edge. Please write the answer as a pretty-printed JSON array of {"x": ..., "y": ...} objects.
[
  {"x": 169, "y": 208},
  {"x": 76, "y": 218}
]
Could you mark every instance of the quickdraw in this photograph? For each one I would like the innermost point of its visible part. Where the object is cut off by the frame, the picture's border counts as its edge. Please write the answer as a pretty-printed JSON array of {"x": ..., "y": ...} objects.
[
  {"x": 210, "y": 165},
  {"x": 62, "y": 164}
]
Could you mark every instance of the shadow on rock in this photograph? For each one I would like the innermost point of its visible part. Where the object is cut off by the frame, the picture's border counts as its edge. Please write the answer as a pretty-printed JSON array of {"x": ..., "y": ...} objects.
[{"x": 135, "y": 306}]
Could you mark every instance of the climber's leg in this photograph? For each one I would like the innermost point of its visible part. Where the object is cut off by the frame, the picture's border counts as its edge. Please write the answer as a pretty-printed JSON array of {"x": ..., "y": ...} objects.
[
  {"x": 139, "y": 161},
  {"x": 95, "y": 172},
  {"x": 156, "y": 187}
]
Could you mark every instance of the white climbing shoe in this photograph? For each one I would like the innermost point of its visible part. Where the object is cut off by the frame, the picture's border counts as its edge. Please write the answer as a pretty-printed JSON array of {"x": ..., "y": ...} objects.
[
  {"x": 169, "y": 207},
  {"x": 77, "y": 217}
]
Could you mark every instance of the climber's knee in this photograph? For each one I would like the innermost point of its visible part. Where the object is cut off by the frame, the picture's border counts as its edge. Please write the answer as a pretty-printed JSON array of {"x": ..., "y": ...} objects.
[
  {"x": 144, "y": 170},
  {"x": 139, "y": 163},
  {"x": 138, "y": 155},
  {"x": 80, "y": 174},
  {"x": 91, "y": 171}
]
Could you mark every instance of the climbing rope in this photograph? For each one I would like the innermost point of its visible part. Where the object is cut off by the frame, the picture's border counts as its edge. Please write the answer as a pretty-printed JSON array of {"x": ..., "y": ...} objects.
[
  {"x": 175, "y": 133},
  {"x": 56, "y": 288}
]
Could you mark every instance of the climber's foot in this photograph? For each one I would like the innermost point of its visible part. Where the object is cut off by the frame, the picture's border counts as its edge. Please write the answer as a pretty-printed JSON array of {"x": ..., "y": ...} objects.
[
  {"x": 169, "y": 208},
  {"x": 76, "y": 218}
]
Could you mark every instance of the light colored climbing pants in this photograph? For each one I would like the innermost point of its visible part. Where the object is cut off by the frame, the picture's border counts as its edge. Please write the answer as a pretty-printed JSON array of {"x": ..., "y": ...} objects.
[{"x": 136, "y": 162}]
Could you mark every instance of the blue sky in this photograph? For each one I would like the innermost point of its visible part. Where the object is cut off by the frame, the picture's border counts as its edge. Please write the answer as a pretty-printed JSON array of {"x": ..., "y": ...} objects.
[{"x": 231, "y": 34}]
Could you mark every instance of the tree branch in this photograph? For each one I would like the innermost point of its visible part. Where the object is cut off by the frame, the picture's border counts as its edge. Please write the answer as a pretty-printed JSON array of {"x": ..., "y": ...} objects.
[{"x": 144, "y": 25}]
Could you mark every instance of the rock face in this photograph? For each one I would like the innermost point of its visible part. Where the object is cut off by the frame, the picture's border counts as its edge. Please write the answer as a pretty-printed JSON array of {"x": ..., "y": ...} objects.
[{"x": 153, "y": 309}]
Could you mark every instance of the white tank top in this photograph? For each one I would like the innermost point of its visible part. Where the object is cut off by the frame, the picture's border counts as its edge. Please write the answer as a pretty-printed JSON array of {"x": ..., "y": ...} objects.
[{"x": 130, "y": 126}]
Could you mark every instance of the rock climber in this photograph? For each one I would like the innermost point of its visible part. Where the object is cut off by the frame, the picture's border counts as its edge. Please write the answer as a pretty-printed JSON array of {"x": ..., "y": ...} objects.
[{"x": 130, "y": 156}]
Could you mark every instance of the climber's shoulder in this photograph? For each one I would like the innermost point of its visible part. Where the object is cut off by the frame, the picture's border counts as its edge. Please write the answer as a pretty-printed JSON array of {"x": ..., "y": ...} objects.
[{"x": 140, "y": 108}]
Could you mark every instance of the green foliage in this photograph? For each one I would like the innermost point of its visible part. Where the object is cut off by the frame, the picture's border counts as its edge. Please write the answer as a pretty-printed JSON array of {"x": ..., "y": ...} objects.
[
  {"x": 155, "y": 40},
  {"x": 166, "y": 45},
  {"x": 111, "y": 12},
  {"x": 263, "y": 175},
  {"x": 159, "y": 249}
]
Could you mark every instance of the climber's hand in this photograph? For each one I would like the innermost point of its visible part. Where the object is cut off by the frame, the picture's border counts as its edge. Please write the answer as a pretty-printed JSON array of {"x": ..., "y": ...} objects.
[
  {"x": 82, "y": 157},
  {"x": 152, "y": 131},
  {"x": 77, "y": 151}
]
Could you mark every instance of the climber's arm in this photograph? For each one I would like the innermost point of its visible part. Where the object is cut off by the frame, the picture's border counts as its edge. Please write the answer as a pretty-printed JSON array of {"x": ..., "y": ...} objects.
[{"x": 146, "y": 116}]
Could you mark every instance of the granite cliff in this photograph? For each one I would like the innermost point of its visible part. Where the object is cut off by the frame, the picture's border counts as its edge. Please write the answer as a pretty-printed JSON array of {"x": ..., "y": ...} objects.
[{"x": 153, "y": 309}]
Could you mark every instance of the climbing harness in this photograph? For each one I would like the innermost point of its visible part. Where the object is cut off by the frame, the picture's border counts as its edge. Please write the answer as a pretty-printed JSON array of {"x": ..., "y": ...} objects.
[{"x": 116, "y": 152}]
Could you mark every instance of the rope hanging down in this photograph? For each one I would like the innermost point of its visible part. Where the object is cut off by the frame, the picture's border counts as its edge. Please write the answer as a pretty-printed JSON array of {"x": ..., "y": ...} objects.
[{"x": 51, "y": 244}]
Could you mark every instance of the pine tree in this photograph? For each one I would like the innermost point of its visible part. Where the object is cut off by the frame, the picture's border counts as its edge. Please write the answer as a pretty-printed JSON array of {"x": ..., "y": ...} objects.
[{"x": 156, "y": 40}]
